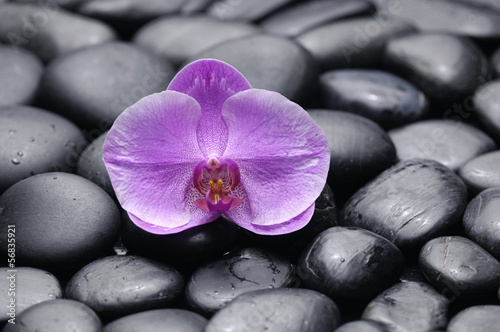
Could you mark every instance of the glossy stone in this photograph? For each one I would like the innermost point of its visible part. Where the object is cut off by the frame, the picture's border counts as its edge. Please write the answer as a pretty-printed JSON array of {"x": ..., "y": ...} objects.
[
  {"x": 120, "y": 285},
  {"x": 409, "y": 306},
  {"x": 380, "y": 96},
  {"x": 480, "y": 318},
  {"x": 450, "y": 74},
  {"x": 362, "y": 326},
  {"x": 65, "y": 220},
  {"x": 269, "y": 62},
  {"x": 94, "y": 85},
  {"x": 448, "y": 142},
  {"x": 35, "y": 141},
  {"x": 408, "y": 204},
  {"x": 482, "y": 172},
  {"x": 277, "y": 310},
  {"x": 488, "y": 107},
  {"x": 214, "y": 284},
  {"x": 245, "y": 10}
]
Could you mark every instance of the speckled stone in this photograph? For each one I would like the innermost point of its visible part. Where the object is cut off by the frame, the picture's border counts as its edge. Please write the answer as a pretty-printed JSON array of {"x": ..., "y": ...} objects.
[
  {"x": 482, "y": 172},
  {"x": 488, "y": 107}
]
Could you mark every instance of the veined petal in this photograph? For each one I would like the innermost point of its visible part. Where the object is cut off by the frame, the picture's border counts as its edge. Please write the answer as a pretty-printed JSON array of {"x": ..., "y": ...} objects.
[
  {"x": 210, "y": 82},
  {"x": 282, "y": 154}
]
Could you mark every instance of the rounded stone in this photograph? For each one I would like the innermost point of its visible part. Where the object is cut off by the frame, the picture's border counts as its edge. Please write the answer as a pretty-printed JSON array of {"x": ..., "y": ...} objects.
[
  {"x": 94, "y": 85},
  {"x": 245, "y": 10},
  {"x": 482, "y": 172},
  {"x": 116, "y": 286},
  {"x": 362, "y": 326},
  {"x": 36, "y": 141},
  {"x": 448, "y": 142},
  {"x": 488, "y": 107},
  {"x": 480, "y": 318},
  {"x": 277, "y": 310},
  {"x": 62, "y": 220},
  {"x": 408, "y": 204}
]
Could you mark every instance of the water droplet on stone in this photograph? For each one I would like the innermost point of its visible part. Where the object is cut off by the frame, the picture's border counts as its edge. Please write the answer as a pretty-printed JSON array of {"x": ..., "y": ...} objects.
[
  {"x": 53, "y": 127},
  {"x": 16, "y": 161},
  {"x": 20, "y": 153},
  {"x": 12, "y": 132},
  {"x": 216, "y": 292},
  {"x": 32, "y": 139},
  {"x": 55, "y": 177},
  {"x": 342, "y": 260}
]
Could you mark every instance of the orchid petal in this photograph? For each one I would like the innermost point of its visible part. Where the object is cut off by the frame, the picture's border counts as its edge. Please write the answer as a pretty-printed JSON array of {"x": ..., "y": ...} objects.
[{"x": 210, "y": 82}]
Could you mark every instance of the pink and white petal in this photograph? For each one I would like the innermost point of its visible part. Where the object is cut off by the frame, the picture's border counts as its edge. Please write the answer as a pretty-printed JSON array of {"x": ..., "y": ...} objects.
[
  {"x": 210, "y": 82},
  {"x": 282, "y": 154}
]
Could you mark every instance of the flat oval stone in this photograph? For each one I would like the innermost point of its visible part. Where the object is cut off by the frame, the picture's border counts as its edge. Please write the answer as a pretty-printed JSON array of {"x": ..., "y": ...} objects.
[
  {"x": 216, "y": 283},
  {"x": 482, "y": 172},
  {"x": 448, "y": 75},
  {"x": 245, "y": 10},
  {"x": 269, "y": 62},
  {"x": 480, "y": 318},
  {"x": 177, "y": 38},
  {"x": 277, "y": 310},
  {"x": 348, "y": 264},
  {"x": 488, "y": 107},
  {"x": 65, "y": 220},
  {"x": 362, "y": 326},
  {"x": 377, "y": 95},
  {"x": 115, "y": 286},
  {"x": 352, "y": 43},
  {"x": 457, "y": 263},
  {"x": 94, "y": 85},
  {"x": 36, "y": 141},
  {"x": 409, "y": 306},
  {"x": 56, "y": 315},
  {"x": 409, "y": 203},
  {"x": 157, "y": 320},
  {"x": 448, "y": 142}
]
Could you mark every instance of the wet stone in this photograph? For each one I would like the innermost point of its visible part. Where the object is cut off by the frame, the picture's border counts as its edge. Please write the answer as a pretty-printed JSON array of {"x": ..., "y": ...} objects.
[
  {"x": 408, "y": 204},
  {"x": 216, "y": 283},
  {"x": 65, "y": 220},
  {"x": 481, "y": 220},
  {"x": 36, "y": 141},
  {"x": 277, "y": 310},
  {"x": 380, "y": 96},
  {"x": 488, "y": 107},
  {"x": 362, "y": 326},
  {"x": 451, "y": 74},
  {"x": 94, "y": 85},
  {"x": 482, "y": 172},
  {"x": 481, "y": 318},
  {"x": 157, "y": 320},
  {"x": 245, "y": 10},
  {"x": 457, "y": 264},
  {"x": 269, "y": 62},
  {"x": 448, "y": 142},
  {"x": 348, "y": 264},
  {"x": 409, "y": 306},
  {"x": 116, "y": 286}
]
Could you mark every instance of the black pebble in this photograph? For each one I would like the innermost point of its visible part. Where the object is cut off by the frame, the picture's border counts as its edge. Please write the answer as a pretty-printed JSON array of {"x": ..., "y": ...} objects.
[
  {"x": 488, "y": 107},
  {"x": 481, "y": 318},
  {"x": 482, "y": 172},
  {"x": 495, "y": 62}
]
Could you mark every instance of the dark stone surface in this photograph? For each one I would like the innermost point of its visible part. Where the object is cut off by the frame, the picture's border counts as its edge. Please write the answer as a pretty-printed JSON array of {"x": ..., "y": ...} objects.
[
  {"x": 488, "y": 107},
  {"x": 380, "y": 96},
  {"x": 482, "y": 172},
  {"x": 120, "y": 285},
  {"x": 94, "y": 85},
  {"x": 362, "y": 326},
  {"x": 409, "y": 306},
  {"x": 347, "y": 264},
  {"x": 194, "y": 6},
  {"x": 158, "y": 320},
  {"x": 458, "y": 264},
  {"x": 277, "y": 310},
  {"x": 35, "y": 141},
  {"x": 214, "y": 284},
  {"x": 493, "y": 4},
  {"x": 495, "y": 62},
  {"x": 245, "y": 10},
  {"x": 62, "y": 220},
  {"x": 269, "y": 62},
  {"x": 481, "y": 220},
  {"x": 19, "y": 76},
  {"x": 408, "y": 204},
  {"x": 481, "y": 318},
  {"x": 448, "y": 142},
  {"x": 451, "y": 74}
]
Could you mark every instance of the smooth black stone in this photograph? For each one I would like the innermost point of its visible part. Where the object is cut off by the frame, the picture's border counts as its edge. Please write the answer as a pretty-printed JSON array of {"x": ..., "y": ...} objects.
[
  {"x": 444, "y": 67},
  {"x": 362, "y": 326},
  {"x": 382, "y": 97},
  {"x": 245, "y": 10},
  {"x": 457, "y": 264},
  {"x": 68, "y": 4},
  {"x": 158, "y": 320},
  {"x": 488, "y": 107},
  {"x": 481, "y": 318},
  {"x": 409, "y": 306},
  {"x": 482, "y": 172},
  {"x": 481, "y": 222},
  {"x": 449, "y": 142},
  {"x": 48, "y": 30},
  {"x": 121, "y": 285},
  {"x": 352, "y": 43},
  {"x": 214, "y": 284},
  {"x": 493, "y": 4},
  {"x": 19, "y": 76},
  {"x": 35, "y": 141},
  {"x": 56, "y": 316},
  {"x": 269, "y": 62},
  {"x": 195, "y": 6},
  {"x": 177, "y": 38},
  {"x": 62, "y": 220},
  {"x": 495, "y": 62},
  {"x": 277, "y": 310},
  {"x": 348, "y": 264},
  {"x": 31, "y": 286},
  {"x": 408, "y": 204},
  {"x": 94, "y": 85},
  {"x": 305, "y": 16}
]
